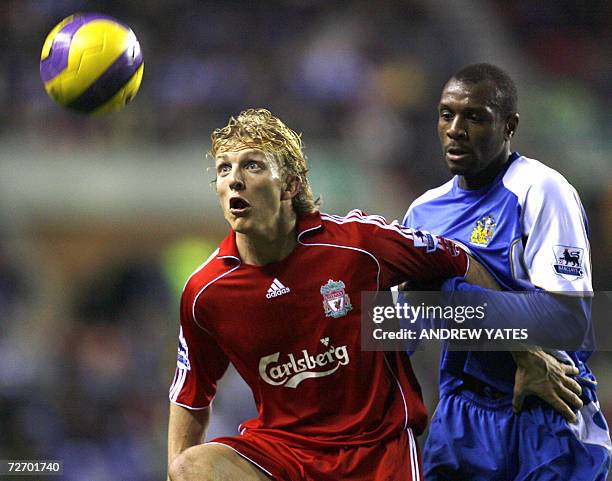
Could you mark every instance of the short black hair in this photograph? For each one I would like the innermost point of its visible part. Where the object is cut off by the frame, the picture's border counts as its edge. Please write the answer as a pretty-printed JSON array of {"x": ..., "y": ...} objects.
[{"x": 506, "y": 98}]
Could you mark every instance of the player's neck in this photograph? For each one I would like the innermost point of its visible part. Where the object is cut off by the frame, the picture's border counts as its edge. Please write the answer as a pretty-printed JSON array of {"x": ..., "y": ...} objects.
[
  {"x": 273, "y": 245},
  {"x": 486, "y": 176}
]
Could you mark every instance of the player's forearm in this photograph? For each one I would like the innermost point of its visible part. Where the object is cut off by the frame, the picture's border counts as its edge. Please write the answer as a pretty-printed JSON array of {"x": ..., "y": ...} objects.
[
  {"x": 186, "y": 428},
  {"x": 551, "y": 321},
  {"x": 530, "y": 356}
]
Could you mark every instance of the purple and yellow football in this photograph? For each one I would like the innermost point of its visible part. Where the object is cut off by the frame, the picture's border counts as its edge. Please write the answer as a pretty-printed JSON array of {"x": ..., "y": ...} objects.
[{"x": 91, "y": 63}]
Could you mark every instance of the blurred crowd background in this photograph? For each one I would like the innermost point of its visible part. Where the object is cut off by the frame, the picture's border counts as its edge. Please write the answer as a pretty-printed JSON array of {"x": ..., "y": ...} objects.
[{"x": 102, "y": 219}]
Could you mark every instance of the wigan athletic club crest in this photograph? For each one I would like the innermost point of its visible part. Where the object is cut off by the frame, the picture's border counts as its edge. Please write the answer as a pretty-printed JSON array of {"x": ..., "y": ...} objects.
[
  {"x": 336, "y": 302},
  {"x": 568, "y": 262},
  {"x": 483, "y": 232}
]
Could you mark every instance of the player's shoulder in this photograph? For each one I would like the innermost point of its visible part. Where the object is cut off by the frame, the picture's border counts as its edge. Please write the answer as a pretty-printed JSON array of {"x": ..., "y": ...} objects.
[
  {"x": 353, "y": 219},
  {"x": 526, "y": 175},
  {"x": 430, "y": 196},
  {"x": 357, "y": 221},
  {"x": 357, "y": 228},
  {"x": 205, "y": 274},
  {"x": 433, "y": 194}
]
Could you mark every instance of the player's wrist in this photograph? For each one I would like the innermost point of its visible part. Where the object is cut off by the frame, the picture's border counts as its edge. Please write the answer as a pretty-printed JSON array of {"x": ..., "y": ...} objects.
[{"x": 531, "y": 357}]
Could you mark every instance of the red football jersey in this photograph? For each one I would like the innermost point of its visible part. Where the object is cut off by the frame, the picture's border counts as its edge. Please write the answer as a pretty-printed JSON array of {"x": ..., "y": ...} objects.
[{"x": 292, "y": 330}]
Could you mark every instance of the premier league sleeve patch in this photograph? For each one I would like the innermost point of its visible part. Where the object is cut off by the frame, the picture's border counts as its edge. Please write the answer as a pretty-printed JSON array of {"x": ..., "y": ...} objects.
[
  {"x": 568, "y": 262},
  {"x": 422, "y": 238}
]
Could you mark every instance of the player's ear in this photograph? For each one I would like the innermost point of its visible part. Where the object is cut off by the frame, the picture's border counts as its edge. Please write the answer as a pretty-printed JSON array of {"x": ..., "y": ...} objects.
[
  {"x": 292, "y": 188},
  {"x": 511, "y": 126}
]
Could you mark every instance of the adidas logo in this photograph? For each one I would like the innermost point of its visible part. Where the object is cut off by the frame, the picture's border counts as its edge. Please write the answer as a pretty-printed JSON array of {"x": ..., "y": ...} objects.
[{"x": 277, "y": 289}]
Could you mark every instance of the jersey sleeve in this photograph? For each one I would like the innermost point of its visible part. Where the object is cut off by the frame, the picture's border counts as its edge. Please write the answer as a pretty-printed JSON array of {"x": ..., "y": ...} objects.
[
  {"x": 422, "y": 259},
  {"x": 408, "y": 220},
  {"x": 557, "y": 252},
  {"x": 200, "y": 362}
]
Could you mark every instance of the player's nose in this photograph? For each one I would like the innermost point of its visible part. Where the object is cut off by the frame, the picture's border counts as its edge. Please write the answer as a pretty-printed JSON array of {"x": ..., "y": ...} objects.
[
  {"x": 456, "y": 129},
  {"x": 236, "y": 180}
]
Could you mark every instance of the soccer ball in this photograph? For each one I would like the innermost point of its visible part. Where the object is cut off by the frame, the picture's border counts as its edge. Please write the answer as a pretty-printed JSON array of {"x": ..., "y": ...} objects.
[{"x": 91, "y": 63}]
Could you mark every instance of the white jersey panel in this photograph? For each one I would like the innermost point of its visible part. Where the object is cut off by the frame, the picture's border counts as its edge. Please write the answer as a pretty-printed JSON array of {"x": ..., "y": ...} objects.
[{"x": 556, "y": 254}]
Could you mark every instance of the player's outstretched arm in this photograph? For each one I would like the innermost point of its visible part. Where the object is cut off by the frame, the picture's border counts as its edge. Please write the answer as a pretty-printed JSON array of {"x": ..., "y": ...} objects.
[{"x": 186, "y": 428}]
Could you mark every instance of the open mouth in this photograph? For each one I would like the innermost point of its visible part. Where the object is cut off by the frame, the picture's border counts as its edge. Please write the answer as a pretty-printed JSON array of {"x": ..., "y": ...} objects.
[{"x": 238, "y": 205}]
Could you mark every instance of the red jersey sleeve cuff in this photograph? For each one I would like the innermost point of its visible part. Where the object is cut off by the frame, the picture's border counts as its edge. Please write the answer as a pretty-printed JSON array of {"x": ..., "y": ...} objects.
[{"x": 191, "y": 408}]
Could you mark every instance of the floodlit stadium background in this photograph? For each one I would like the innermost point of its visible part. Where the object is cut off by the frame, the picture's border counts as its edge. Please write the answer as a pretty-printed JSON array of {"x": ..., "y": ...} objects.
[{"x": 101, "y": 220}]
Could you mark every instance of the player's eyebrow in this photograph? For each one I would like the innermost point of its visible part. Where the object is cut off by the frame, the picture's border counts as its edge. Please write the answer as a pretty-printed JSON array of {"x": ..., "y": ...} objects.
[
  {"x": 444, "y": 106},
  {"x": 479, "y": 109},
  {"x": 476, "y": 109}
]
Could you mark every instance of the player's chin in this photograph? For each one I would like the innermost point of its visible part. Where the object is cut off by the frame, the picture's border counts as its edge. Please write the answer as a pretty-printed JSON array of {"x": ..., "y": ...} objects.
[
  {"x": 457, "y": 169},
  {"x": 241, "y": 225},
  {"x": 233, "y": 220}
]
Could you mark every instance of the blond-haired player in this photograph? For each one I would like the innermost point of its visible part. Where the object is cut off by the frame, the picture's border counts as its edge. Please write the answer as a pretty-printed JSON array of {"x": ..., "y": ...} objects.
[{"x": 280, "y": 300}]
